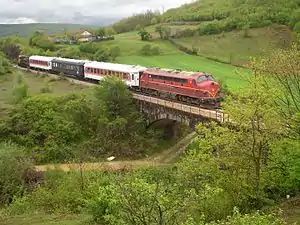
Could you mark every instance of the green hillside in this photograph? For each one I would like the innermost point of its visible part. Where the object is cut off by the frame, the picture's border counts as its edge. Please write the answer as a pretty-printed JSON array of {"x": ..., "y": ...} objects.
[
  {"x": 227, "y": 31},
  {"x": 25, "y": 30}
]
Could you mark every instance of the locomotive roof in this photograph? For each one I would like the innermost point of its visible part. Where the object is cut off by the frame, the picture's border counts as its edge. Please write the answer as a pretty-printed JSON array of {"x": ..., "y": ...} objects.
[
  {"x": 42, "y": 58},
  {"x": 115, "y": 66},
  {"x": 74, "y": 61},
  {"x": 175, "y": 73}
]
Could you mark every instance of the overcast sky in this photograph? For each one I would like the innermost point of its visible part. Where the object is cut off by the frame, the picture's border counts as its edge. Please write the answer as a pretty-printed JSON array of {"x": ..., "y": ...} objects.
[{"x": 77, "y": 11}]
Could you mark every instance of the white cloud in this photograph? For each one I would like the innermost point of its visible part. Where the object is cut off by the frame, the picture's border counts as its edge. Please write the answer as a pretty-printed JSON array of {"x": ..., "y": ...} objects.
[{"x": 77, "y": 11}]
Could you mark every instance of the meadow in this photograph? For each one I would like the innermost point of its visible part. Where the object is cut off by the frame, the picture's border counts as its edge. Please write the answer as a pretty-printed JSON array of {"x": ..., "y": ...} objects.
[
  {"x": 170, "y": 57},
  {"x": 37, "y": 84}
]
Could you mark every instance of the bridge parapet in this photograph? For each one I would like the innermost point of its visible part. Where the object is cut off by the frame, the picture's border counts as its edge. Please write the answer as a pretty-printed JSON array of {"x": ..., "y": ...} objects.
[{"x": 218, "y": 115}]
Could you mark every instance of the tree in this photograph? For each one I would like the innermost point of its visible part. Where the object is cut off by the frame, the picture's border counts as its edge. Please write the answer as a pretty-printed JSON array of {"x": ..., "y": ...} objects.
[
  {"x": 100, "y": 32},
  {"x": 110, "y": 31},
  {"x": 40, "y": 40},
  {"x": 159, "y": 30},
  {"x": 121, "y": 128},
  {"x": 5, "y": 66},
  {"x": 102, "y": 55},
  {"x": 282, "y": 71},
  {"x": 11, "y": 47},
  {"x": 242, "y": 150},
  {"x": 145, "y": 35},
  {"x": 155, "y": 202},
  {"x": 13, "y": 165},
  {"x": 114, "y": 52}
]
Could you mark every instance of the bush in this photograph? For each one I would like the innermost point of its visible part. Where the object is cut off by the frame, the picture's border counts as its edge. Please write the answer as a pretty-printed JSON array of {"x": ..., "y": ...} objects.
[
  {"x": 47, "y": 125},
  {"x": 297, "y": 27},
  {"x": 5, "y": 66},
  {"x": 148, "y": 50},
  {"x": 13, "y": 165}
]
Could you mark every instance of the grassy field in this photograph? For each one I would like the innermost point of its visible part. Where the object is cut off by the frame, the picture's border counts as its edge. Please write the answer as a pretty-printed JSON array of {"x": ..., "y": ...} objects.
[
  {"x": 35, "y": 85},
  {"x": 44, "y": 219},
  {"x": 170, "y": 57},
  {"x": 233, "y": 47},
  {"x": 228, "y": 73}
]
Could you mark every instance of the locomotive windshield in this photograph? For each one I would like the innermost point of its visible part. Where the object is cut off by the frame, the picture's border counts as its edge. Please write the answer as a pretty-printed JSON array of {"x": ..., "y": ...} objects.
[{"x": 205, "y": 78}]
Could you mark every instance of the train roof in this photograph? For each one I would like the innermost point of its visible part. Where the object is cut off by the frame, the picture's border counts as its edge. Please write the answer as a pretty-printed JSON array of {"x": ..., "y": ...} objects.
[
  {"x": 115, "y": 66},
  {"x": 73, "y": 61},
  {"x": 175, "y": 73},
  {"x": 42, "y": 58}
]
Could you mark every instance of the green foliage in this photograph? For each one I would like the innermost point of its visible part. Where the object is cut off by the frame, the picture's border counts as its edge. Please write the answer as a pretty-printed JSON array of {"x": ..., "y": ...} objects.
[
  {"x": 102, "y": 55},
  {"x": 114, "y": 52},
  {"x": 99, "y": 123},
  {"x": 284, "y": 174},
  {"x": 254, "y": 13},
  {"x": 88, "y": 48},
  {"x": 121, "y": 127},
  {"x": 70, "y": 52},
  {"x": 5, "y": 66},
  {"x": 145, "y": 35},
  {"x": 40, "y": 40},
  {"x": 148, "y": 50},
  {"x": 282, "y": 71},
  {"x": 141, "y": 19},
  {"x": 107, "y": 54},
  {"x": 46, "y": 126},
  {"x": 20, "y": 91},
  {"x": 297, "y": 27},
  {"x": 295, "y": 18},
  {"x": 164, "y": 32},
  {"x": 58, "y": 194},
  {"x": 10, "y": 46},
  {"x": 46, "y": 88},
  {"x": 256, "y": 218},
  {"x": 12, "y": 167},
  {"x": 100, "y": 32}
]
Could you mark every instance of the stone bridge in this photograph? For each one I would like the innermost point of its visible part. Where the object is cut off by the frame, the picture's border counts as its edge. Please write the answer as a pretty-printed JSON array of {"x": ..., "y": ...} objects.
[{"x": 169, "y": 113}]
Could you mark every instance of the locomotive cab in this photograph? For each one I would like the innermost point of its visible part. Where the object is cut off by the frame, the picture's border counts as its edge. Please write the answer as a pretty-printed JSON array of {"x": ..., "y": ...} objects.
[{"x": 207, "y": 82}]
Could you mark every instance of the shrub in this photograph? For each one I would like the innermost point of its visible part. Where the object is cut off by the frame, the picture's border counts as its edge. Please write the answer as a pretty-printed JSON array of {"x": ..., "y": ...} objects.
[
  {"x": 148, "y": 50},
  {"x": 13, "y": 165},
  {"x": 297, "y": 27}
]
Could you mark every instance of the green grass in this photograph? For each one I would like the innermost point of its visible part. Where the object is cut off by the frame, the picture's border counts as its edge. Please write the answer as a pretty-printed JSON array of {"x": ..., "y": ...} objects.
[
  {"x": 44, "y": 219},
  {"x": 233, "y": 47},
  {"x": 35, "y": 84},
  {"x": 226, "y": 72},
  {"x": 130, "y": 45}
]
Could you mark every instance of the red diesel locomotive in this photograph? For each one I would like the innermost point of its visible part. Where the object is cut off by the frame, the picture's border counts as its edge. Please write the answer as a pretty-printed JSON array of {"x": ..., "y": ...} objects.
[{"x": 196, "y": 88}]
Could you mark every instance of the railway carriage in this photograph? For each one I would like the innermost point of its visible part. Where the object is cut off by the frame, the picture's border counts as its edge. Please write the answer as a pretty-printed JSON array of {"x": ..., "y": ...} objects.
[
  {"x": 130, "y": 74},
  {"x": 40, "y": 62},
  {"x": 69, "y": 67}
]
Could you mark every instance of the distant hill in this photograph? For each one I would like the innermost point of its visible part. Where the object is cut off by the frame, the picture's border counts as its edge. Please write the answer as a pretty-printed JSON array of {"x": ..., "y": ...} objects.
[{"x": 25, "y": 30}]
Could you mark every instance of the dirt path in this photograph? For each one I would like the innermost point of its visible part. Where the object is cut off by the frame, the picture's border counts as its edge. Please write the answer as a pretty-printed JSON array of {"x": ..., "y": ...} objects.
[{"x": 161, "y": 159}]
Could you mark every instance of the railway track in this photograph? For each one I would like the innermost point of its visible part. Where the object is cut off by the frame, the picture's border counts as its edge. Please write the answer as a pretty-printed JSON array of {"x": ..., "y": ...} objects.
[{"x": 216, "y": 114}]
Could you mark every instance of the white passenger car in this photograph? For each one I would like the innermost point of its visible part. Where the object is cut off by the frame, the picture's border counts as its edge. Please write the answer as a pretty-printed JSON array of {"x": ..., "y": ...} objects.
[
  {"x": 130, "y": 74},
  {"x": 41, "y": 62}
]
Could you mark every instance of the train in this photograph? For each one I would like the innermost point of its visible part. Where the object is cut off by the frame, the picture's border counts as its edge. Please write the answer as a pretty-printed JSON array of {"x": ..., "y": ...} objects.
[{"x": 190, "y": 87}]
